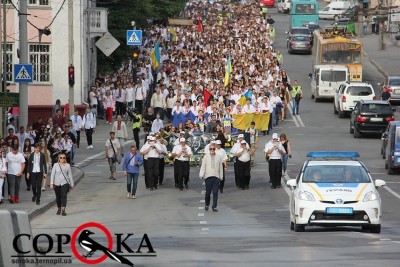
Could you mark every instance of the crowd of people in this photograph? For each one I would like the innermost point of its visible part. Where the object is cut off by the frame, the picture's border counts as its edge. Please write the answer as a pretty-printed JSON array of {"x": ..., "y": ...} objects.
[{"x": 224, "y": 65}]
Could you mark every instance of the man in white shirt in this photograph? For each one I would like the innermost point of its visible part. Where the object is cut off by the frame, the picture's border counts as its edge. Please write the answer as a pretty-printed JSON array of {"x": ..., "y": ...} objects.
[
  {"x": 77, "y": 125},
  {"x": 151, "y": 152},
  {"x": 275, "y": 151},
  {"x": 15, "y": 162},
  {"x": 89, "y": 125},
  {"x": 243, "y": 165},
  {"x": 120, "y": 99},
  {"x": 140, "y": 95},
  {"x": 130, "y": 96},
  {"x": 212, "y": 171},
  {"x": 248, "y": 108},
  {"x": 22, "y": 135},
  {"x": 121, "y": 132},
  {"x": 157, "y": 124},
  {"x": 93, "y": 96},
  {"x": 158, "y": 102},
  {"x": 233, "y": 152},
  {"x": 36, "y": 171},
  {"x": 182, "y": 154}
]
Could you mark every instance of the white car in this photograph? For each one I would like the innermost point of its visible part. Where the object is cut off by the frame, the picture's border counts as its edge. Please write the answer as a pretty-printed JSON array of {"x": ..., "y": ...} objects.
[
  {"x": 348, "y": 94},
  {"x": 334, "y": 189},
  {"x": 283, "y": 6}
]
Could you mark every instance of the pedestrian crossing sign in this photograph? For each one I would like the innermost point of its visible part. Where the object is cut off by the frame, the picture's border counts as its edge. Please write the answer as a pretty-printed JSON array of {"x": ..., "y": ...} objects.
[
  {"x": 134, "y": 37},
  {"x": 23, "y": 73}
]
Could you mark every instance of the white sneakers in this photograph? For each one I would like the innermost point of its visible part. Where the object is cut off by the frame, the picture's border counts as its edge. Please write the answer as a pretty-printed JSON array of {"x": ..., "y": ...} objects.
[
  {"x": 90, "y": 147},
  {"x": 129, "y": 195}
]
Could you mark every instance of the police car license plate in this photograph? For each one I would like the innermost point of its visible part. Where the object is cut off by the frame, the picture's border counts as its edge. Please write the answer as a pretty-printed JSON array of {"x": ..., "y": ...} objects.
[
  {"x": 333, "y": 210},
  {"x": 376, "y": 119}
]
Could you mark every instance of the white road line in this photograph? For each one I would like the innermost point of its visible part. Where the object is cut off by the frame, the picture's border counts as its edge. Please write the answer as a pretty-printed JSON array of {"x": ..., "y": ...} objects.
[
  {"x": 203, "y": 222},
  {"x": 200, "y": 208},
  {"x": 200, "y": 214},
  {"x": 300, "y": 121},
  {"x": 293, "y": 116},
  {"x": 392, "y": 192},
  {"x": 385, "y": 239},
  {"x": 91, "y": 172},
  {"x": 397, "y": 242},
  {"x": 370, "y": 235},
  {"x": 202, "y": 201},
  {"x": 205, "y": 229},
  {"x": 203, "y": 192}
]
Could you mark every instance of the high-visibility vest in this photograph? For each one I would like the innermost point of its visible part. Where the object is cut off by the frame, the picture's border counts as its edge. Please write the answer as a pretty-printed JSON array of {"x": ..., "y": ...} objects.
[
  {"x": 264, "y": 10},
  {"x": 296, "y": 90},
  {"x": 137, "y": 124}
]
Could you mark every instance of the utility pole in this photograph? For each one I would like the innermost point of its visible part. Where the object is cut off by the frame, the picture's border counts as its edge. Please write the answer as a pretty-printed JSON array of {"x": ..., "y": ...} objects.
[
  {"x": 23, "y": 59},
  {"x": 1, "y": 64},
  {"x": 71, "y": 53}
]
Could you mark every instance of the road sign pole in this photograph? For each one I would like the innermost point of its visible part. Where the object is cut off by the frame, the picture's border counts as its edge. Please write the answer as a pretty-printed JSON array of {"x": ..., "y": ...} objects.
[
  {"x": 23, "y": 59},
  {"x": 71, "y": 53}
]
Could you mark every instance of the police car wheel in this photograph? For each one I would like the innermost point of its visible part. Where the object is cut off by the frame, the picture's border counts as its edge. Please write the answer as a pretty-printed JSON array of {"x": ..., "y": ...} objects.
[
  {"x": 365, "y": 228},
  {"x": 299, "y": 228}
]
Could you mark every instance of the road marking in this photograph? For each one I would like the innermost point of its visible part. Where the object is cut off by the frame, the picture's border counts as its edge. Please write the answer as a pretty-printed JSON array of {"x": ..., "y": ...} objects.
[
  {"x": 200, "y": 208},
  {"x": 202, "y": 201},
  {"x": 204, "y": 183},
  {"x": 397, "y": 242},
  {"x": 392, "y": 192},
  {"x": 203, "y": 222},
  {"x": 200, "y": 214},
  {"x": 385, "y": 239},
  {"x": 205, "y": 229},
  {"x": 300, "y": 121},
  {"x": 370, "y": 235},
  {"x": 92, "y": 172},
  {"x": 293, "y": 116},
  {"x": 203, "y": 192}
]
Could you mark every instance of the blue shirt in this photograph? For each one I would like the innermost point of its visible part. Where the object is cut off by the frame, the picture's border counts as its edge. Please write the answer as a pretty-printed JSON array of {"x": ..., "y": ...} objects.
[{"x": 128, "y": 164}]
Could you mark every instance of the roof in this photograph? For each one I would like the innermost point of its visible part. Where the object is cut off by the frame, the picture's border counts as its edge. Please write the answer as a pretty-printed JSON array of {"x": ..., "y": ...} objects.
[
  {"x": 358, "y": 83},
  {"x": 375, "y": 102}
]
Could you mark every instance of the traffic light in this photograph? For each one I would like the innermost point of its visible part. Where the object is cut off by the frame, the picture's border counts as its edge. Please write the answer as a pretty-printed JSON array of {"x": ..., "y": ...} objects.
[
  {"x": 71, "y": 75},
  {"x": 135, "y": 54}
]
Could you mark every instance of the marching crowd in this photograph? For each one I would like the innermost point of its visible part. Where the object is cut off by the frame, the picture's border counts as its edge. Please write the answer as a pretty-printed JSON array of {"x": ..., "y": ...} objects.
[{"x": 223, "y": 65}]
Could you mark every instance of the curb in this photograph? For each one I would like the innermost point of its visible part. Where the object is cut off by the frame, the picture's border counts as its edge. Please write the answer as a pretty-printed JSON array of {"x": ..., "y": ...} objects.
[{"x": 44, "y": 208}]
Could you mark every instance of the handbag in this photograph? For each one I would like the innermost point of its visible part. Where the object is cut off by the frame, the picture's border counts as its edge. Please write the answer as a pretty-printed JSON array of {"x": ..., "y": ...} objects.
[
  {"x": 267, "y": 156},
  {"x": 126, "y": 167},
  {"x": 65, "y": 177},
  {"x": 116, "y": 157}
]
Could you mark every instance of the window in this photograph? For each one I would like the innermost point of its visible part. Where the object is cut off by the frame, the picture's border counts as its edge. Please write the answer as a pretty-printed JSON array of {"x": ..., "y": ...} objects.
[
  {"x": 9, "y": 63},
  {"x": 377, "y": 108},
  {"x": 39, "y": 2},
  {"x": 39, "y": 57},
  {"x": 333, "y": 76},
  {"x": 305, "y": 9},
  {"x": 335, "y": 174},
  {"x": 359, "y": 90}
]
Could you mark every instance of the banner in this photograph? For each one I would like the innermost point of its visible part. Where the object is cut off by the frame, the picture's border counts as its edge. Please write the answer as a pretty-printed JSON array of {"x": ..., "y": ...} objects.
[
  {"x": 182, "y": 118},
  {"x": 243, "y": 121},
  {"x": 180, "y": 22}
]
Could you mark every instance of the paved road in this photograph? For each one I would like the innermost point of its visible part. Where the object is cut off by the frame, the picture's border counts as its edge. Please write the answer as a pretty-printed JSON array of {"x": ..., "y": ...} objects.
[{"x": 252, "y": 226}]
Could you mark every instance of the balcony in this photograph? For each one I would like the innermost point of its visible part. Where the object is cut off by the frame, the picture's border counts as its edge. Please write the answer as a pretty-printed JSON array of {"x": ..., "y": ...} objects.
[{"x": 97, "y": 21}]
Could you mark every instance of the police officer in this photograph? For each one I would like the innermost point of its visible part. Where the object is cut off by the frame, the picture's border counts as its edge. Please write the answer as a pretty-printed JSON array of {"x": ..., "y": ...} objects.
[
  {"x": 151, "y": 151},
  {"x": 136, "y": 127},
  {"x": 243, "y": 165},
  {"x": 182, "y": 154},
  {"x": 276, "y": 151}
]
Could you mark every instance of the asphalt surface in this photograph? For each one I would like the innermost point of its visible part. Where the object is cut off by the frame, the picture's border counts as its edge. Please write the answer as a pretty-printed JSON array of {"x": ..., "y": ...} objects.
[{"x": 252, "y": 226}]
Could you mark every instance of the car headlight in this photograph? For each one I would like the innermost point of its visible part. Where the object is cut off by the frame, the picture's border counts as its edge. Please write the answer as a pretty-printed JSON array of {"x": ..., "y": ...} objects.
[
  {"x": 371, "y": 196},
  {"x": 306, "y": 196}
]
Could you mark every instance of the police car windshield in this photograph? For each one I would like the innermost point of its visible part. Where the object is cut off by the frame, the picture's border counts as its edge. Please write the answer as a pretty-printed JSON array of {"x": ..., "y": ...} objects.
[{"x": 335, "y": 174}]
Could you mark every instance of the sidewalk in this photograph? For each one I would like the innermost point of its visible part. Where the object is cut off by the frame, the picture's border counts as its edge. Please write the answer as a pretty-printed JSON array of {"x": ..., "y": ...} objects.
[
  {"x": 386, "y": 61},
  {"x": 82, "y": 157}
]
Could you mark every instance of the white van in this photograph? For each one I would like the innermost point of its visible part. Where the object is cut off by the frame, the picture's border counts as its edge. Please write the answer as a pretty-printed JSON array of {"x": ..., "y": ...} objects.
[
  {"x": 334, "y": 9},
  {"x": 326, "y": 79}
]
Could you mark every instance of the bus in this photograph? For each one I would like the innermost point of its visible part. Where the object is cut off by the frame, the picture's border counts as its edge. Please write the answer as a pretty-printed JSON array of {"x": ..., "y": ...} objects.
[
  {"x": 335, "y": 46},
  {"x": 303, "y": 12}
]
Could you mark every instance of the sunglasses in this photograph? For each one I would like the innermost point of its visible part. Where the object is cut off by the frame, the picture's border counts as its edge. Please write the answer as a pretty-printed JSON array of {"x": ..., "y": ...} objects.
[
  {"x": 211, "y": 149},
  {"x": 61, "y": 157}
]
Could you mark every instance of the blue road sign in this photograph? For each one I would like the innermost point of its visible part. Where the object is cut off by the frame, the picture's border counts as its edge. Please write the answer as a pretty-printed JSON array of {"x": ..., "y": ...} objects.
[
  {"x": 134, "y": 37},
  {"x": 23, "y": 73}
]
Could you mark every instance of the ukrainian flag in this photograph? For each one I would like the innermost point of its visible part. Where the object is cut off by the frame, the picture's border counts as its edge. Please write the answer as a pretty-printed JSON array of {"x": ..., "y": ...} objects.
[
  {"x": 155, "y": 56},
  {"x": 172, "y": 34},
  {"x": 228, "y": 71}
]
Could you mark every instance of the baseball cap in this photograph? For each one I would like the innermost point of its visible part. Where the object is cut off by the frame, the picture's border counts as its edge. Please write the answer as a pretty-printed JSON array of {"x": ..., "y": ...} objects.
[
  {"x": 148, "y": 137},
  {"x": 182, "y": 132},
  {"x": 218, "y": 142},
  {"x": 241, "y": 136},
  {"x": 243, "y": 142},
  {"x": 275, "y": 136},
  {"x": 151, "y": 133},
  {"x": 182, "y": 140},
  {"x": 152, "y": 138},
  {"x": 213, "y": 142}
]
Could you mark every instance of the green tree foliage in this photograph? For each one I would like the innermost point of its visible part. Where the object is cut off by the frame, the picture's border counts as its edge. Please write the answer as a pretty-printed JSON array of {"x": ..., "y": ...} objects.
[{"x": 120, "y": 15}]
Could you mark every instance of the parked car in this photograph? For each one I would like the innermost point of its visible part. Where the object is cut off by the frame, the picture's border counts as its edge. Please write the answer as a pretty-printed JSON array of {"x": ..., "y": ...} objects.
[
  {"x": 283, "y": 6},
  {"x": 392, "y": 84},
  {"x": 348, "y": 94},
  {"x": 370, "y": 117},
  {"x": 335, "y": 189},
  {"x": 299, "y": 44},
  {"x": 391, "y": 146},
  {"x": 304, "y": 31}
]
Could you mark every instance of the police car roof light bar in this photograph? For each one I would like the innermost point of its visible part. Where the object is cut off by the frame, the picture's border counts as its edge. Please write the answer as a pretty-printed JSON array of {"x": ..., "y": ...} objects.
[{"x": 333, "y": 154}]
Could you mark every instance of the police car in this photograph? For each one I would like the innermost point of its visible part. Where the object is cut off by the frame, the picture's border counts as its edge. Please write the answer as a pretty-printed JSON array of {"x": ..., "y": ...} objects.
[{"x": 335, "y": 189}]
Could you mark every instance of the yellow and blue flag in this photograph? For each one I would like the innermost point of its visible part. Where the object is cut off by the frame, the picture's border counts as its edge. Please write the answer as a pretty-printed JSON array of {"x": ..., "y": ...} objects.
[
  {"x": 228, "y": 71},
  {"x": 155, "y": 56}
]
